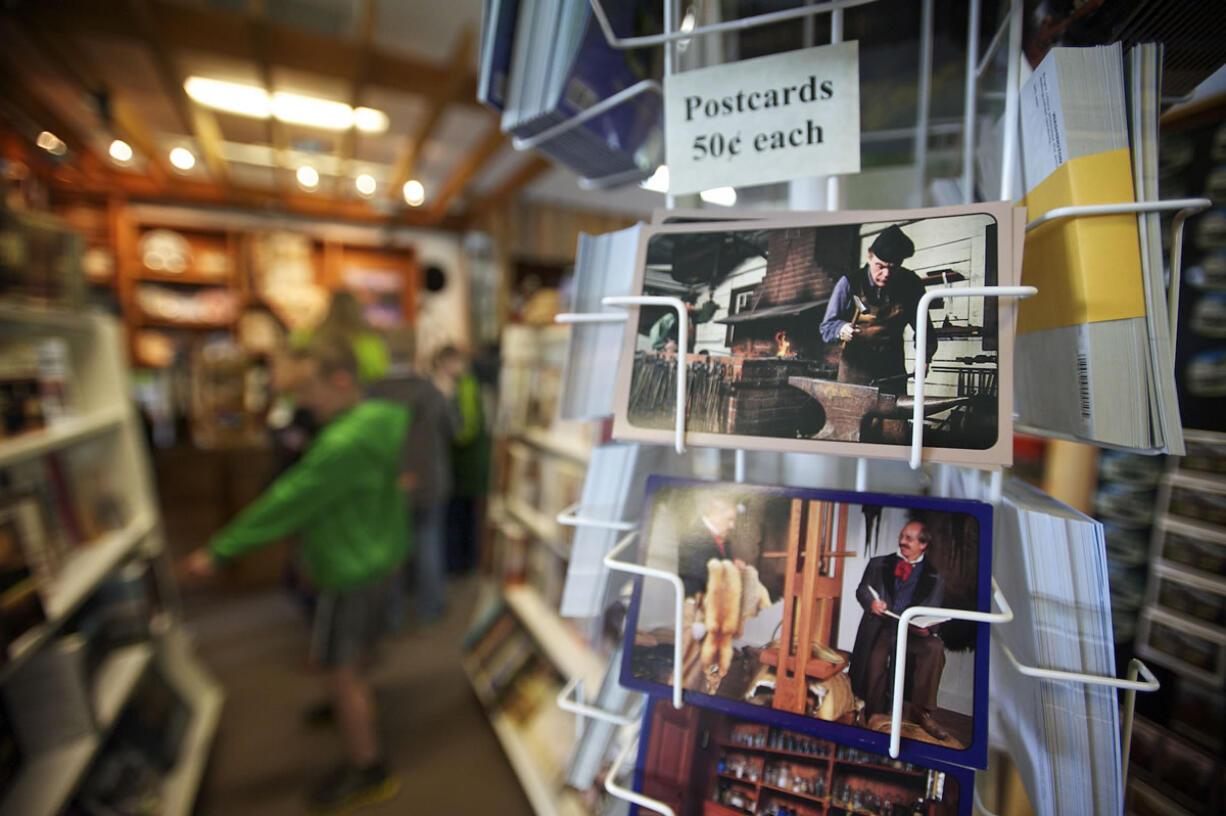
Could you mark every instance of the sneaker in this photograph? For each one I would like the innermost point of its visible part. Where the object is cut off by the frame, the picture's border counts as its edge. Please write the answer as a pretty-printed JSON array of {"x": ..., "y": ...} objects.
[{"x": 348, "y": 788}]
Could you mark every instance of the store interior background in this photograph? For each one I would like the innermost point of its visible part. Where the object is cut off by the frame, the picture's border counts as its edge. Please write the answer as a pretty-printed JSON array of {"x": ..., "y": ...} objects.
[{"x": 486, "y": 242}]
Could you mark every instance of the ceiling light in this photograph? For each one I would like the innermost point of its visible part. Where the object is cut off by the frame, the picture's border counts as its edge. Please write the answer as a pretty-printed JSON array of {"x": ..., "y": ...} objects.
[
  {"x": 296, "y": 109},
  {"x": 365, "y": 184},
  {"x": 311, "y": 111},
  {"x": 369, "y": 120},
  {"x": 121, "y": 151},
  {"x": 721, "y": 196},
  {"x": 414, "y": 193},
  {"x": 183, "y": 158},
  {"x": 658, "y": 183},
  {"x": 51, "y": 143},
  {"x": 231, "y": 97},
  {"x": 308, "y": 177}
]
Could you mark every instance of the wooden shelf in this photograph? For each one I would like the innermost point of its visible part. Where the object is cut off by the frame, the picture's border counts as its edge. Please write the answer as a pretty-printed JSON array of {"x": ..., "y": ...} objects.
[
  {"x": 797, "y": 794},
  {"x": 81, "y": 574},
  {"x": 565, "y": 446},
  {"x": 61, "y": 434},
  {"x": 44, "y": 317},
  {"x": 46, "y": 782},
  {"x": 142, "y": 319},
  {"x": 188, "y": 278},
  {"x": 559, "y": 642},
  {"x": 115, "y": 681},
  {"x": 732, "y": 746},
  {"x": 872, "y": 766},
  {"x": 537, "y": 788},
  {"x": 179, "y": 786},
  {"x": 542, "y": 527}
]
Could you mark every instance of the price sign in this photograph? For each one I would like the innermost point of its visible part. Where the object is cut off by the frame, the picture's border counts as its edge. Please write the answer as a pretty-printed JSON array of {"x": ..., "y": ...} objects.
[{"x": 764, "y": 120}]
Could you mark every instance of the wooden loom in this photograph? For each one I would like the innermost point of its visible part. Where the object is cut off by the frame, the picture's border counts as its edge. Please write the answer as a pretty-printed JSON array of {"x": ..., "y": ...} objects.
[{"x": 810, "y": 599}]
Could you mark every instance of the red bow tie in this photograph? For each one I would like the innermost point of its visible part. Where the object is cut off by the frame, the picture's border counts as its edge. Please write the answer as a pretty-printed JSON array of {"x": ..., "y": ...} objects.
[{"x": 902, "y": 570}]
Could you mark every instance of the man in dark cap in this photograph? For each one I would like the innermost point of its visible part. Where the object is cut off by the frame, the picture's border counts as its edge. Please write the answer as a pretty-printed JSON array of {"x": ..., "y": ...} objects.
[{"x": 869, "y": 310}]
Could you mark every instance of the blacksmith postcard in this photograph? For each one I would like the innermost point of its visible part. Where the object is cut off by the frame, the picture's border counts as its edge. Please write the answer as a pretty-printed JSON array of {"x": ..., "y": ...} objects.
[
  {"x": 792, "y": 602},
  {"x": 802, "y": 333}
]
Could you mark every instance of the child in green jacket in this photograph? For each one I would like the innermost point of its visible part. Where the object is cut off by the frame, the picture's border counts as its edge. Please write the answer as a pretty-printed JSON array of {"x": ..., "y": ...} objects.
[{"x": 343, "y": 498}]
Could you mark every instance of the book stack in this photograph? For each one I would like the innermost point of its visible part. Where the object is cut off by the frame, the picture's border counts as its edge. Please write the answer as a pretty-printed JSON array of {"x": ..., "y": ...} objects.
[
  {"x": 1063, "y": 736},
  {"x": 1094, "y": 355},
  {"x": 604, "y": 266},
  {"x": 545, "y": 61}
]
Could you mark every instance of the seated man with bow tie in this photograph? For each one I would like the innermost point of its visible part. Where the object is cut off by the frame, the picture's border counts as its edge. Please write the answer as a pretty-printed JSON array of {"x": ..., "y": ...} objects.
[{"x": 891, "y": 584}]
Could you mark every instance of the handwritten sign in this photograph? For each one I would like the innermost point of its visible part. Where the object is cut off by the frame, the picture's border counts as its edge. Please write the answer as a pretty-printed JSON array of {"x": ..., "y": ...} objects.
[{"x": 764, "y": 120}]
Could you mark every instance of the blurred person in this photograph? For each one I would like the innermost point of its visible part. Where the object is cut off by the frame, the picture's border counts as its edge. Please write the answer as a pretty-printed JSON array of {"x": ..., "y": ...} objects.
[
  {"x": 345, "y": 319},
  {"x": 425, "y": 472},
  {"x": 470, "y": 456},
  {"x": 344, "y": 498}
]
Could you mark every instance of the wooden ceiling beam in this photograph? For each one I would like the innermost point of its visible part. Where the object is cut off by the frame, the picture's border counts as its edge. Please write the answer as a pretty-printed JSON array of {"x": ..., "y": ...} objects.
[
  {"x": 200, "y": 121},
  {"x": 185, "y": 27},
  {"x": 469, "y": 166},
  {"x": 201, "y": 193},
  {"x": 274, "y": 130},
  {"x": 406, "y": 161},
  {"x": 347, "y": 144},
  {"x": 25, "y": 103},
  {"x": 521, "y": 177},
  {"x": 67, "y": 55}
]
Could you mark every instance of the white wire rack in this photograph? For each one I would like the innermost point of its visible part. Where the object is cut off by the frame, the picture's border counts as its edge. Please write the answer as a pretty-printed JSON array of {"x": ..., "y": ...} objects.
[{"x": 977, "y": 65}]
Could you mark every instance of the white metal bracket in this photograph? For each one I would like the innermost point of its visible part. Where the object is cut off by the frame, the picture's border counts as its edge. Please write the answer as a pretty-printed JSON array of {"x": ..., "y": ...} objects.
[
  {"x": 683, "y": 334},
  {"x": 570, "y": 517},
  {"x": 575, "y": 706},
  {"x": 611, "y": 562},
  {"x": 921, "y": 350},
  {"x": 900, "y": 649},
  {"x": 625, "y": 794},
  {"x": 742, "y": 24}
]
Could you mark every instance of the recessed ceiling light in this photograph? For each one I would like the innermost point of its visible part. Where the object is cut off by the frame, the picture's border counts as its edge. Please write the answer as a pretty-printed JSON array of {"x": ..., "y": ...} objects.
[
  {"x": 369, "y": 120},
  {"x": 414, "y": 193},
  {"x": 297, "y": 109},
  {"x": 365, "y": 184},
  {"x": 51, "y": 143},
  {"x": 121, "y": 151},
  {"x": 231, "y": 97},
  {"x": 183, "y": 158},
  {"x": 311, "y": 111},
  {"x": 308, "y": 177},
  {"x": 721, "y": 196}
]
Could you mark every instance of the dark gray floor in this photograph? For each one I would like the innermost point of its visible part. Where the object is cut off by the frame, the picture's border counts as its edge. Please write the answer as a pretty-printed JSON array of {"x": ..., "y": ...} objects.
[{"x": 434, "y": 732}]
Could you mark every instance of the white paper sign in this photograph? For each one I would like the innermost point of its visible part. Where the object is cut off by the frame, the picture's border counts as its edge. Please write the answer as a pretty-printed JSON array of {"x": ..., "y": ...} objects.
[{"x": 763, "y": 120}]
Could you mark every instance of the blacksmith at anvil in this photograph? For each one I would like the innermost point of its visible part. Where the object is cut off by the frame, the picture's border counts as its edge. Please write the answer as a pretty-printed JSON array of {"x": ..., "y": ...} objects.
[{"x": 869, "y": 310}]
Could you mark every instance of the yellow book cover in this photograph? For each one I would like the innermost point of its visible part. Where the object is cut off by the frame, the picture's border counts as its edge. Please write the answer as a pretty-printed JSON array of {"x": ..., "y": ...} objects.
[{"x": 1087, "y": 269}]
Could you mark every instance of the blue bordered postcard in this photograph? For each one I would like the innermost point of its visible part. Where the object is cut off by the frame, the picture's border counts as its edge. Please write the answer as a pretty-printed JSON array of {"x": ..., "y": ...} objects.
[{"x": 792, "y": 602}]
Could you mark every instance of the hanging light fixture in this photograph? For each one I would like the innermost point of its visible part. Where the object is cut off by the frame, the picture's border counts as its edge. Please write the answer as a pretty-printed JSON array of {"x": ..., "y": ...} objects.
[
  {"x": 182, "y": 158},
  {"x": 365, "y": 184},
  {"x": 120, "y": 151},
  {"x": 308, "y": 177}
]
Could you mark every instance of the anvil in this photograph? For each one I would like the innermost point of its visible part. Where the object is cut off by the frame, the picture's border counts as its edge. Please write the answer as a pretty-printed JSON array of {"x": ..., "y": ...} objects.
[{"x": 846, "y": 405}]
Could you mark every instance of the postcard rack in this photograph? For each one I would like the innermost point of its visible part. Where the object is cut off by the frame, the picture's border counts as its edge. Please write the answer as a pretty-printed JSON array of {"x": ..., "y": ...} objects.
[{"x": 1139, "y": 678}]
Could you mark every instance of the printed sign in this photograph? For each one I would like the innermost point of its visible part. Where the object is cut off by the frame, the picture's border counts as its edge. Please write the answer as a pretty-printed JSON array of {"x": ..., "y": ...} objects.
[{"x": 764, "y": 120}]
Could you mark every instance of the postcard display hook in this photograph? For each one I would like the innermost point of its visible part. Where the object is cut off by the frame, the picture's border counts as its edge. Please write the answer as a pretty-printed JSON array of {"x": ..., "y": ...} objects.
[{"x": 572, "y": 516}]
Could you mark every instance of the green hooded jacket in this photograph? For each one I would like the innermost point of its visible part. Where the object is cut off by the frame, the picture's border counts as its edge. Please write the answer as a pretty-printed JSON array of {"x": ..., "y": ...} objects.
[{"x": 343, "y": 497}]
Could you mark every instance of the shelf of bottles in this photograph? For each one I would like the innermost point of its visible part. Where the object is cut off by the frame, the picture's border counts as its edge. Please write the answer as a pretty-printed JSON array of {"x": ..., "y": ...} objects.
[{"x": 768, "y": 771}]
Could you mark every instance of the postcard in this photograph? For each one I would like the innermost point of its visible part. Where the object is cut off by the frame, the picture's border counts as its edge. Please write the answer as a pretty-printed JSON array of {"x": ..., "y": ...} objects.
[
  {"x": 801, "y": 333},
  {"x": 792, "y": 605},
  {"x": 700, "y": 761}
]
